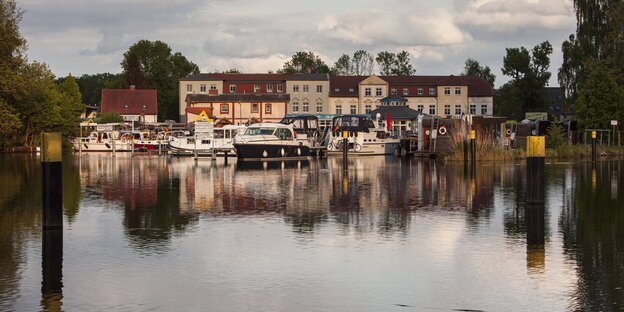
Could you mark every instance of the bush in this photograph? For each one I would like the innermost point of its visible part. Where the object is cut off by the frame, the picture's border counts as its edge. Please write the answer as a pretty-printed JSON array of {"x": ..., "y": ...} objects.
[
  {"x": 555, "y": 136},
  {"x": 109, "y": 117}
]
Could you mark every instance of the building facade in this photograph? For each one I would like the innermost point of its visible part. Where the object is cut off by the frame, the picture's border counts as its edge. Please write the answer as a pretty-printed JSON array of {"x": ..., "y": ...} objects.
[
  {"x": 132, "y": 104},
  {"x": 322, "y": 94}
]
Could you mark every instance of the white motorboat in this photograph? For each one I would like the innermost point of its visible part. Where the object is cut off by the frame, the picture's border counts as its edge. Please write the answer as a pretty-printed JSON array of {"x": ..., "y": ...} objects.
[
  {"x": 102, "y": 141},
  {"x": 221, "y": 141},
  {"x": 271, "y": 141},
  {"x": 363, "y": 137}
]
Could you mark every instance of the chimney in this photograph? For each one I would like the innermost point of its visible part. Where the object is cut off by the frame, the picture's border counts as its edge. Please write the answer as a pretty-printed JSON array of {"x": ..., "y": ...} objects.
[{"x": 132, "y": 87}]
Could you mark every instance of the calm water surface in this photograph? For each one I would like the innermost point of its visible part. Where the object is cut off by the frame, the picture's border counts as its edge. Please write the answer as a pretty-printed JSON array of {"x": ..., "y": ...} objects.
[{"x": 169, "y": 234}]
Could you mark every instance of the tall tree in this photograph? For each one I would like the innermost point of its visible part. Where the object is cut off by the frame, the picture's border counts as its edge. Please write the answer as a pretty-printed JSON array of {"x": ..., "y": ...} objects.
[
  {"x": 304, "y": 62},
  {"x": 71, "y": 106},
  {"x": 91, "y": 86},
  {"x": 473, "y": 68},
  {"x": 600, "y": 99},
  {"x": 343, "y": 66},
  {"x": 394, "y": 64},
  {"x": 362, "y": 63},
  {"x": 525, "y": 92},
  {"x": 150, "y": 64}
]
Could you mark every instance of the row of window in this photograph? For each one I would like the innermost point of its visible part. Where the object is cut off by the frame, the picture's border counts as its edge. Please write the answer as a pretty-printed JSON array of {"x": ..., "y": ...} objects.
[
  {"x": 306, "y": 107},
  {"x": 421, "y": 108},
  {"x": 255, "y": 108},
  {"x": 295, "y": 88},
  {"x": 319, "y": 89}
]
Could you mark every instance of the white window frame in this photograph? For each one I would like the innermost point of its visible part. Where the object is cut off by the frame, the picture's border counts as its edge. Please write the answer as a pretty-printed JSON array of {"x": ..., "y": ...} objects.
[
  {"x": 339, "y": 109},
  {"x": 353, "y": 109},
  {"x": 484, "y": 109},
  {"x": 256, "y": 87},
  {"x": 295, "y": 107},
  {"x": 378, "y": 91},
  {"x": 280, "y": 88},
  {"x": 368, "y": 108},
  {"x": 269, "y": 87},
  {"x": 420, "y": 108},
  {"x": 232, "y": 88},
  {"x": 319, "y": 88},
  {"x": 472, "y": 109},
  {"x": 420, "y": 91},
  {"x": 306, "y": 106},
  {"x": 405, "y": 91},
  {"x": 319, "y": 107},
  {"x": 458, "y": 109},
  {"x": 393, "y": 91},
  {"x": 268, "y": 108},
  {"x": 305, "y": 88},
  {"x": 295, "y": 88},
  {"x": 255, "y": 107},
  {"x": 431, "y": 91},
  {"x": 447, "y": 109},
  {"x": 189, "y": 88},
  {"x": 447, "y": 90},
  {"x": 367, "y": 92},
  {"x": 224, "y": 108},
  {"x": 458, "y": 91},
  {"x": 432, "y": 109},
  {"x": 202, "y": 88}
]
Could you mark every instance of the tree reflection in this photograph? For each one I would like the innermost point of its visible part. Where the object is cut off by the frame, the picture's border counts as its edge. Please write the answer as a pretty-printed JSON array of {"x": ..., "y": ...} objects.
[{"x": 592, "y": 224}]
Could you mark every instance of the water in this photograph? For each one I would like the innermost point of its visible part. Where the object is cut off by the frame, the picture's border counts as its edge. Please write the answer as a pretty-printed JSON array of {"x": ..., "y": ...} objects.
[{"x": 164, "y": 234}]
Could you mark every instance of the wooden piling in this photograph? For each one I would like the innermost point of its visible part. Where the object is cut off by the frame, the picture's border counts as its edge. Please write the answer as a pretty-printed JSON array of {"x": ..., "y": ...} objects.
[{"x": 52, "y": 180}]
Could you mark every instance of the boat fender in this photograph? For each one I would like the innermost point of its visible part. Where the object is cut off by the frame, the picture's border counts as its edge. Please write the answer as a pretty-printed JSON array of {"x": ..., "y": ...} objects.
[
  {"x": 427, "y": 132},
  {"x": 282, "y": 152},
  {"x": 265, "y": 154},
  {"x": 298, "y": 151},
  {"x": 107, "y": 145},
  {"x": 442, "y": 130}
]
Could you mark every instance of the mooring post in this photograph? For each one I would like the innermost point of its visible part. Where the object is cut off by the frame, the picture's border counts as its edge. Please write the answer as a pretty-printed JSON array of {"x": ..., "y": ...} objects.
[
  {"x": 534, "y": 210},
  {"x": 114, "y": 147},
  {"x": 345, "y": 147},
  {"x": 52, "y": 269},
  {"x": 593, "y": 146},
  {"x": 473, "y": 146},
  {"x": 52, "y": 180},
  {"x": 159, "y": 148}
]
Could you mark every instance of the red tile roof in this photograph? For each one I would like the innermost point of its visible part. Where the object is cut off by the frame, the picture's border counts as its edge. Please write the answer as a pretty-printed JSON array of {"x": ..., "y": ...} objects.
[{"x": 130, "y": 101}]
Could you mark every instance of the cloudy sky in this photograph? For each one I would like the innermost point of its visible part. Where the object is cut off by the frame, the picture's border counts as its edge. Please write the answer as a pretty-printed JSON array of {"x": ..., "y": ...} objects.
[{"x": 255, "y": 36}]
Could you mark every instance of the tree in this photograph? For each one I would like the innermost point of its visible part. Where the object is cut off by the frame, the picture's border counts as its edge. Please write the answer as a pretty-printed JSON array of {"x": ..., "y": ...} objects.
[
  {"x": 108, "y": 117},
  {"x": 232, "y": 70},
  {"x": 10, "y": 124},
  {"x": 71, "y": 106},
  {"x": 600, "y": 99},
  {"x": 151, "y": 65},
  {"x": 473, "y": 68},
  {"x": 304, "y": 62},
  {"x": 91, "y": 86},
  {"x": 343, "y": 66},
  {"x": 529, "y": 72},
  {"x": 394, "y": 64},
  {"x": 362, "y": 63},
  {"x": 12, "y": 52}
]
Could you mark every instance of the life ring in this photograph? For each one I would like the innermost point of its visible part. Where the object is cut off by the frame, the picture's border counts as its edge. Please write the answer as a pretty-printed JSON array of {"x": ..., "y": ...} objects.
[
  {"x": 442, "y": 130},
  {"x": 508, "y": 131}
]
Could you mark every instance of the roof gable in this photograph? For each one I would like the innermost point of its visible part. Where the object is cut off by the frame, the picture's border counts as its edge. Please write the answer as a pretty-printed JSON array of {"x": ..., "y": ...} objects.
[
  {"x": 373, "y": 80},
  {"x": 130, "y": 101}
]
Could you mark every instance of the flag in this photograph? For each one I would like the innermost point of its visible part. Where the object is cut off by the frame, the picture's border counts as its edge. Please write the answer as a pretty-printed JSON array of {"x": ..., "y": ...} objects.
[{"x": 388, "y": 123}]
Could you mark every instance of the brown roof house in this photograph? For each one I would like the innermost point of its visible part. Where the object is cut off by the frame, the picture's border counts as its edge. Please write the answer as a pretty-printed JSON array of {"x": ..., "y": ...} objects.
[{"x": 131, "y": 104}]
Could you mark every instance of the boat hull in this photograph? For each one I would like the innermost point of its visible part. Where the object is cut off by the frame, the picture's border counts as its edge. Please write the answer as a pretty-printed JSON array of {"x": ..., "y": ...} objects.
[{"x": 256, "y": 152}]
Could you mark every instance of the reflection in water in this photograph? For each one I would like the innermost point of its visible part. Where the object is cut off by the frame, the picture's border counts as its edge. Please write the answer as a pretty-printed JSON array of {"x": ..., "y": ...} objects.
[
  {"x": 408, "y": 213},
  {"x": 52, "y": 270}
]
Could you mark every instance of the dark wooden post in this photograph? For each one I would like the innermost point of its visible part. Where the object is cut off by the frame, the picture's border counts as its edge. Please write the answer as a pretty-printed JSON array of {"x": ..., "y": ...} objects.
[
  {"x": 534, "y": 211},
  {"x": 593, "y": 146},
  {"x": 345, "y": 147},
  {"x": 52, "y": 180}
]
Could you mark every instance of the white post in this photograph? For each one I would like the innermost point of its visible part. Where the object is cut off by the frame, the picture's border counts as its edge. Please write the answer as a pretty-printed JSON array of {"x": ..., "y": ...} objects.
[
  {"x": 132, "y": 147},
  {"x": 80, "y": 143},
  {"x": 421, "y": 134},
  {"x": 114, "y": 144}
]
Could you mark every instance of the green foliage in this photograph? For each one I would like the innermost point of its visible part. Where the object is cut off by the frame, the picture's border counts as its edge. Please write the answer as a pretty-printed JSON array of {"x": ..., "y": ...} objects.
[
  {"x": 91, "y": 86},
  {"x": 151, "y": 65},
  {"x": 394, "y": 64},
  {"x": 473, "y": 68},
  {"x": 304, "y": 62},
  {"x": 600, "y": 100},
  {"x": 10, "y": 124},
  {"x": 360, "y": 64},
  {"x": 108, "y": 117},
  {"x": 555, "y": 136},
  {"x": 529, "y": 72}
]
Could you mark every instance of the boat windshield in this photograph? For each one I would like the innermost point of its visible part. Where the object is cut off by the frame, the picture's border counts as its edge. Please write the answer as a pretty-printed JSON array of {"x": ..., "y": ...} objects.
[{"x": 260, "y": 131}]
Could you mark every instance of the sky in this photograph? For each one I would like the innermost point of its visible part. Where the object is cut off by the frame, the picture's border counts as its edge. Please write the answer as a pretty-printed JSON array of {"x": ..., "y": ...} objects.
[{"x": 256, "y": 36}]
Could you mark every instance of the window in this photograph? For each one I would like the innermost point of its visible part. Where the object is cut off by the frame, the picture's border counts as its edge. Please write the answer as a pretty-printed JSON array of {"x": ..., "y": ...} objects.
[
  {"x": 405, "y": 91},
  {"x": 280, "y": 88},
  {"x": 202, "y": 88},
  {"x": 473, "y": 109},
  {"x": 213, "y": 87},
  {"x": 421, "y": 108},
  {"x": 306, "y": 107},
  {"x": 232, "y": 88},
  {"x": 368, "y": 108},
  {"x": 319, "y": 89},
  {"x": 351, "y": 90},
  {"x": 483, "y": 109},
  {"x": 337, "y": 90},
  {"x": 431, "y": 91},
  {"x": 338, "y": 109},
  {"x": 457, "y": 90},
  {"x": 353, "y": 109},
  {"x": 225, "y": 108},
  {"x": 254, "y": 107},
  {"x": 419, "y": 91},
  {"x": 367, "y": 92},
  {"x": 458, "y": 110},
  {"x": 319, "y": 107},
  {"x": 295, "y": 106},
  {"x": 378, "y": 91},
  {"x": 267, "y": 108},
  {"x": 432, "y": 109},
  {"x": 295, "y": 88},
  {"x": 393, "y": 91},
  {"x": 189, "y": 88},
  {"x": 269, "y": 88},
  {"x": 305, "y": 88},
  {"x": 256, "y": 87},
  {"x": 447, "y": 109},
  {"x": 447, "y": 90}
]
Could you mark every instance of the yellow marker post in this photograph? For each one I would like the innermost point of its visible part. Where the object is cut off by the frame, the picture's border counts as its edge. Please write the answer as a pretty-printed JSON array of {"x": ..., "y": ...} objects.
[
  {"x": 345, "y": 147},
  {"x": 52, "y": 180},
  {"x": 473, "y": 150},
  {"x": 593, "y": 146},
  {"x": 534, "y": 210}
]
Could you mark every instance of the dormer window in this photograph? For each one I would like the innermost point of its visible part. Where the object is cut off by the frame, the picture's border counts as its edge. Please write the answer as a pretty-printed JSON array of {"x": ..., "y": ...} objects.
[
  {"x": 125, "y": 105},
  {"x": 351, "y": 90}
]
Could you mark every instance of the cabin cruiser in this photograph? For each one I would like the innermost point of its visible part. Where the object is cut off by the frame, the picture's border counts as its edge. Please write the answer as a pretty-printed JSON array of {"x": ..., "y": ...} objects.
[
  {"x": 364, "y": 137},
  {"x": 271, "y": 141},
  {"x": 221, "y": 141},
  {"x": 102, "y": 141}
]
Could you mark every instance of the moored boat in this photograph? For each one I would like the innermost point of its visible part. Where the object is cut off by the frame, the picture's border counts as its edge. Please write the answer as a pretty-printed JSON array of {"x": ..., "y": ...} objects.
[
  {"x": 364, "y": 137},
  {"x": 270, "y": 141},
  {"x": 221, "y": 141}
]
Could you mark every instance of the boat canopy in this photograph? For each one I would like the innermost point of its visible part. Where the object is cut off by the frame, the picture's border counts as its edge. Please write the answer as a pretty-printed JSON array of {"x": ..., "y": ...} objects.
[{"x": 353, "y": 123}]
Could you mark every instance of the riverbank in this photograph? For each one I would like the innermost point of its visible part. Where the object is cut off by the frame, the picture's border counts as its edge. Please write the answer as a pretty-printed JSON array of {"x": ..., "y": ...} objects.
[{"x": 492, "y": 153}]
